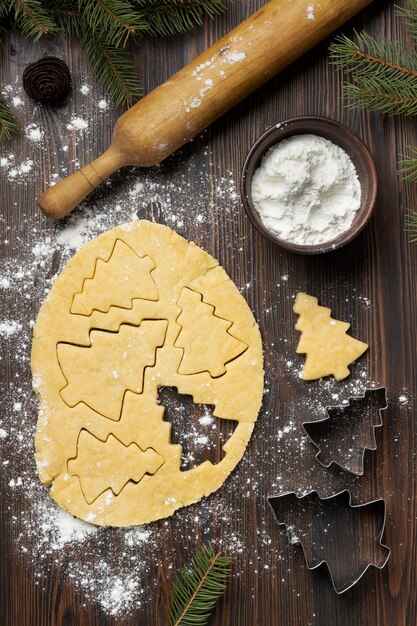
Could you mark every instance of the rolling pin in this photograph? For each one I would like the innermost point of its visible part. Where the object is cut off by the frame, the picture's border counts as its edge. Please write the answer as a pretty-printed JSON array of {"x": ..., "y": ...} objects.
[{"x": 183, "y": 106}]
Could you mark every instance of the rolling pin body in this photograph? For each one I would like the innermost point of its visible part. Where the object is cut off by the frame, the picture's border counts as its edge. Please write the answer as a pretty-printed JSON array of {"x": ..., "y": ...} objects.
[{"x": 201, "y": 92}]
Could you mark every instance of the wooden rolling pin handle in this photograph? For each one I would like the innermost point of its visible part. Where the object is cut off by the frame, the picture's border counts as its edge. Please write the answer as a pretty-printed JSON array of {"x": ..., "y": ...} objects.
[{"x": 60, "y": 199}]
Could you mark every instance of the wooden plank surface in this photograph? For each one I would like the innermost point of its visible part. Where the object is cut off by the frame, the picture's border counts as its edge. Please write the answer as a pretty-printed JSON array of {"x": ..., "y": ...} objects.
[{"x": 370, "y": 283}]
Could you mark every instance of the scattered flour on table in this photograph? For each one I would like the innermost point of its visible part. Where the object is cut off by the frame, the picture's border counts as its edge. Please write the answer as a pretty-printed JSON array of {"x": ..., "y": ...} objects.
[
  {"x": 9, "y": 328},
  {"x": 77, "y": 123},
  {"x": 29, "y": 116},
  {"x": 17, "y": 102},
  {"x": 33, "y": 133}
]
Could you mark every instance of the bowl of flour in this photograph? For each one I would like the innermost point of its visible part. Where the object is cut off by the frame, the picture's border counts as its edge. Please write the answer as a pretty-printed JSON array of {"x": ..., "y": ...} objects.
[{"x": 309, "y": 184}]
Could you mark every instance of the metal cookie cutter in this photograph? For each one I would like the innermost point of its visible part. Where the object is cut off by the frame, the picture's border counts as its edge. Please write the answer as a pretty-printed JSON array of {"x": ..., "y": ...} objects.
[
  {"x": 348, "y": 430},
  {"x": 347, "y": 538}
]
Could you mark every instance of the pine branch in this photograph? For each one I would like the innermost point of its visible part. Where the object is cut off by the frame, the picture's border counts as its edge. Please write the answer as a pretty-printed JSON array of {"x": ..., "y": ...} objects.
[
  {"x": 113, "y": 68},
  {"x": 198, "y": 587},
  {"x": 32, "y": 18},
  {"x": 66, "y": 15},
  {"x": 408, "y": 165},
  {"x": 410, "y": 17},
  {"x": 411, "y": 225},
  {"x": 3, "y": 7},
  {"x": 8, "y": 125},
  {"x": 114, "y": 20},
  {"x": 384, "y": 73},
  {"x": 167, "y": 17}
]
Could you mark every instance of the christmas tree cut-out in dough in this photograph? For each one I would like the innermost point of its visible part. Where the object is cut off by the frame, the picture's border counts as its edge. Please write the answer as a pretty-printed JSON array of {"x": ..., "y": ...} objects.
[
  {"x": 205, "y": 338},
  {"x": 328, "y": 349},
  {"x": 125, "y": 276},
  {"x": 109, "y": 464},
  {"x": 99, "y": 375}
]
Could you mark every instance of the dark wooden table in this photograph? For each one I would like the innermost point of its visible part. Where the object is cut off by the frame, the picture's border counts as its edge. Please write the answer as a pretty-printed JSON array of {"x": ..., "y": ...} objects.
[{"x": 370, "y": 283}]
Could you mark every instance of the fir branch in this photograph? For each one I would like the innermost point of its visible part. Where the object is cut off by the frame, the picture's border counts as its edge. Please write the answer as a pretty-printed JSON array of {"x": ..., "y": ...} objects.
[
  {"x": 32, "y": 18},
  {"x": 384, "y": 73},
  {"x": 8, "y": 124},
  {"x": 408, "y": 165},
  {"x": 114, "y": 20},
  {"x": 411, "y": 225},
  {"x": 410, "y": 17},
  {"x": 3, "y": 7},
  {"x": 198, "y": 587},
  {"x": 66, "y": 15},
  {"x": 113, "y": 68},
  {"x": 167, "y": 17}
]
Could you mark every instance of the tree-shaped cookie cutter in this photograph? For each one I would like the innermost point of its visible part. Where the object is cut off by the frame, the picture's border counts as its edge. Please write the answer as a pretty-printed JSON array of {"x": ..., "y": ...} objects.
[
  {"x": 348, "y": 430},
  {"x": 327, "y": 529}
]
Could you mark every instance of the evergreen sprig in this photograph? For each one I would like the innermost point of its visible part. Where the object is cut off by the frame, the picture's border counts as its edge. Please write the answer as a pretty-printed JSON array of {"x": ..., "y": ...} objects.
[
  {"x": 165, "y": 17},
  {"x": 408, "y": 165},
  {"x": 198, "y": 587},
  {"x": 31, "y": 18},
  {"x": 411, "y": 225},
  {"x": 114, "y": 20},
  {"x": 383, "y": 73},
  {"x": 8, "y": 125},
  {"x": 113, "y": 68},
  {"x": 383, "y": 77},
  {"x": 104, "y": 28}
]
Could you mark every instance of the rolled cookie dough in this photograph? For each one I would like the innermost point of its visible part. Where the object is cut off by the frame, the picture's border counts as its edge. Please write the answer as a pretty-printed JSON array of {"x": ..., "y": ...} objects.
[{"x": 137, "y": 309}]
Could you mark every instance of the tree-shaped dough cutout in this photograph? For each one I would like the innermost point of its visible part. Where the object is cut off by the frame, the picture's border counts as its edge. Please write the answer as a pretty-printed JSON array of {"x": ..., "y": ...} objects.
[
  {"x": 102, "y": 465},
  {"x": 124, "y": 277},
  {"x": 348, "y": 431},
  {"x": 328, "y": 349},
  {"x": 206, "y": 340},
  {"x": 100, "y": 374}
]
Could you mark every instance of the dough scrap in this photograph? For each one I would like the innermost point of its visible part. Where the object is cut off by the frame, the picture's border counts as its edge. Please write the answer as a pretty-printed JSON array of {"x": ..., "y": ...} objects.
[
  {"x": 328, "y": 349},
  {"x": 105, "y": 341}
]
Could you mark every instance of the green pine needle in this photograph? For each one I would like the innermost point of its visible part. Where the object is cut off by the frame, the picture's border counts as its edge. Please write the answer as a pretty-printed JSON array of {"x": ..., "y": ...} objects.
[
  {"x": 66, "y": 14},
  {"x": 408, "y": 165},
  {"x": 410, "y": 17},
  {"x": 113, "y": 68},
  {"x": 167, "y": 17},
  {"x": 32, "y": 18},
  {"x": 114, "y": 20},
  {"x": 411, "y": 225},
  {"x": 383, "y": 73},
  {"x": 8, "y": 125},
  {"x": 198, "y": 587}
]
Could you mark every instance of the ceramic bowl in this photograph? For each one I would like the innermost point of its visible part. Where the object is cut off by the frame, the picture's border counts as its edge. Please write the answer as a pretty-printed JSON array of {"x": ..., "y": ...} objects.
[{"x": 339, "y": 135}]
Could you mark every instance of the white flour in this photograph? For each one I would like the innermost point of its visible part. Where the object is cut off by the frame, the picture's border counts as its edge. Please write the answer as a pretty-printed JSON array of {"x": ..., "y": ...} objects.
[
  {"x": 306, "y": 190},
  {"x": 310, "y": 12}
]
